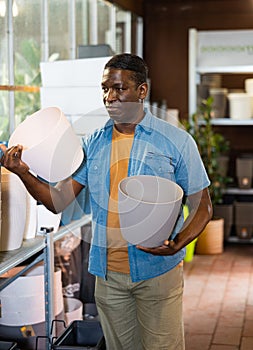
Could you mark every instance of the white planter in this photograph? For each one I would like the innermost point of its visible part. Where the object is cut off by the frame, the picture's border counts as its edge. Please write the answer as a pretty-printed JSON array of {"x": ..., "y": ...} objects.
[
  {"x": 51, "y": 148},
  {"x": 73, "y": 310},
  {"x": 13, "y": 209},
  {"x": 23, "y": 301},
  {"x": 240, "y": 106},
  {"x": 148, "y": 209}
]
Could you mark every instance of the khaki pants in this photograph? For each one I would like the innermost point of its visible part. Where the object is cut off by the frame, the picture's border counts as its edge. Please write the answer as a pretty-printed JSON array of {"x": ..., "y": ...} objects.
[{"x": 146, "y": 315}]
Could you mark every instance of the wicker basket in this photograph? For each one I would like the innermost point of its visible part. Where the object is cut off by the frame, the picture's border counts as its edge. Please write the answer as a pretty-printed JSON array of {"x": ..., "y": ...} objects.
[{"x": 210, "y": 241}]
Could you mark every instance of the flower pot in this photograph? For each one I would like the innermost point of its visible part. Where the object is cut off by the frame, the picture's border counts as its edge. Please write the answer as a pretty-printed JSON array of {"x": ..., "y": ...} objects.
[
  {"x": 13, "y": 210},
  {"x": 51, "y": 148},
  {"x": 23, "y": 301},
  {"x": 148, "y": 209},
  {"x": 210, "y": 241},
  {"x": 239, "y": 106},
  {"x": 73, "y": 310}
]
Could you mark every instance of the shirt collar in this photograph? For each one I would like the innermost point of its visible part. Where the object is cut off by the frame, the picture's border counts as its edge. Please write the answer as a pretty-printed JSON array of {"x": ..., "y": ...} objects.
[{"x": 147, "y": 122}]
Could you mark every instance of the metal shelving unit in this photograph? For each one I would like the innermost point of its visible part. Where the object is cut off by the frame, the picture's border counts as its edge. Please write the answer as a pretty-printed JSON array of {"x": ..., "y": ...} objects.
[
  {"x": 200, "y": 64},
  {"x": 239, "y": 191},
  {"x": 41, "y": 248},
  {"x": 234, "y": 191},
  {"x": 195, "y": 71},
  {"x": 230, "y": 122}
]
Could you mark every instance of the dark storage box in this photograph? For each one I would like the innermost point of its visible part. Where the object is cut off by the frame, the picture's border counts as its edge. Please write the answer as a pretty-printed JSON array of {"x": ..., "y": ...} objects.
[
  {"x": 5, "y": 345},
  {"x": 244, "y": 213},
  {"x": 244, "y": 219},
  {"x": 81, "y": 335},
  {"x": 244, "y": 231},
  {"x": 244, "y": 168}
]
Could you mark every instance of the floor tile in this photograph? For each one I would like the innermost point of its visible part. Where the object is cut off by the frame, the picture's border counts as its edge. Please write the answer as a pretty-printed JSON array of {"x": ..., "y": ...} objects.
[
  {"x": 247, "y": 343},
  {"x": 228, "y": 335},
  {"x": 218, "y": 300},
  {"x": 197, "y": 342}
]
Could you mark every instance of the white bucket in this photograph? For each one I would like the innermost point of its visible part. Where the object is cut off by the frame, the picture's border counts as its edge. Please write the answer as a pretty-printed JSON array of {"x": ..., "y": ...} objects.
[
  {"x": 73, "y": 310},
  {"x": 23, "y": 301},
  {"x": 13, "y": 209},
  {"x": 240, "y": 106},
  {"x": 51, "y": 148},
  {"x": 148, "y": 209}
]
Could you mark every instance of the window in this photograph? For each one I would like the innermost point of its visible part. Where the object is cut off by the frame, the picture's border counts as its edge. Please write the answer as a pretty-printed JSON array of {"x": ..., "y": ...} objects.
[{"x": 41, "y": 30}]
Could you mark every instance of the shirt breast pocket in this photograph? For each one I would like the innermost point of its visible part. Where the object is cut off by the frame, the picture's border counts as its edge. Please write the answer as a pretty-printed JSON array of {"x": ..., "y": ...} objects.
[
  {"x": 159, "y": 165},
  {"x": 96, "y": 178}
]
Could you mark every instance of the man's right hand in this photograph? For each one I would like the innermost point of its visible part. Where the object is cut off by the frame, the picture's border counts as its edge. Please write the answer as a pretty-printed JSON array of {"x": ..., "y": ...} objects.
[{"x": 11, "y": 159}]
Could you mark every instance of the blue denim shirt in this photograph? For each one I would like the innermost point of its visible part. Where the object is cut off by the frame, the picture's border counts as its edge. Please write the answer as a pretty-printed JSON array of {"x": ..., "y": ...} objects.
[{"x": 159, "y": 149}]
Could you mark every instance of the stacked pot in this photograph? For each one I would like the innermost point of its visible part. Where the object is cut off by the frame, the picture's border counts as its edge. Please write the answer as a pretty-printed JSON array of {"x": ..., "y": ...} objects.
[{"x": 241, "y": 103}]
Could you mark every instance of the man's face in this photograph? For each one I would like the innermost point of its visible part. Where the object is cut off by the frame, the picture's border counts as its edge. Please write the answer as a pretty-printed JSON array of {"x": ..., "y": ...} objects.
[{"x": 121, "y": 96}]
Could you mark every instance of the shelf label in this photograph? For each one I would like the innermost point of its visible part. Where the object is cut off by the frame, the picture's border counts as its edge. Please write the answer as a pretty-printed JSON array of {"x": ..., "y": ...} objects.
[{"x": 224, "y": 48}]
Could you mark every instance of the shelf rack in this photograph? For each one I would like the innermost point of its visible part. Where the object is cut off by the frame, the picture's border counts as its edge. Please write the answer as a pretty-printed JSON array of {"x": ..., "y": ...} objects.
[
  {"x": 239, "y": 191},
  {"x": 195, "y": 71},
  {"x": 231, "y": 57},
  {"x": 42, "y": 249},
  {"x": 232, "y": 122}
]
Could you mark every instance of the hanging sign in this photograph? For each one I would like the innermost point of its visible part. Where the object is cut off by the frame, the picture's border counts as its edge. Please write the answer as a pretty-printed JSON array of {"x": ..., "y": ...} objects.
[{"x": 225, "y": 48}]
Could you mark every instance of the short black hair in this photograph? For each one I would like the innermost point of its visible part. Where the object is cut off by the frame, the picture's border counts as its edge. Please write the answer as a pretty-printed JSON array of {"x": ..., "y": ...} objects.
[{"x": 133, "y": 63}]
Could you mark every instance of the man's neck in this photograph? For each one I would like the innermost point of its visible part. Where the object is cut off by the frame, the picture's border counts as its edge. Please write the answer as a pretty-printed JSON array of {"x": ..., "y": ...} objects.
[
  {"x": 125, "y": 128},
  {"x": 128, "y": 128}
]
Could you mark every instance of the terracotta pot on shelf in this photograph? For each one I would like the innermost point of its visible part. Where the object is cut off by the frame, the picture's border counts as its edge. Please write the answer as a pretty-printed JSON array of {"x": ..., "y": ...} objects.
[{"x": 210, "y": 241}]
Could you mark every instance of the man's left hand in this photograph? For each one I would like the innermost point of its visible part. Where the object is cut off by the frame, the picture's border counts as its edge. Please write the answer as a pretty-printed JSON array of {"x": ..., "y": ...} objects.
[{"x": 168, "y": 248}]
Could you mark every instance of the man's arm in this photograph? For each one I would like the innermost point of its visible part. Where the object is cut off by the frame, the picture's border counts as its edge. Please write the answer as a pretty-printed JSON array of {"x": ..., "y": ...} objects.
[
  {"x": 200, "y": 213},
  {"x": 57, "y": 198}
]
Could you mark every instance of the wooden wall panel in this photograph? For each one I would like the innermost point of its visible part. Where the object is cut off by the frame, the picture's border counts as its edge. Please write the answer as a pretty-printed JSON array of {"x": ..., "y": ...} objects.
[{"x": 135, "y": 6}]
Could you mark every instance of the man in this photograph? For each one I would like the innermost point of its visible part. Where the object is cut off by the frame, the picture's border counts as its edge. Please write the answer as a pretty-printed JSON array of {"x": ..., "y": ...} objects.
[{"x": 138, "y": 290}]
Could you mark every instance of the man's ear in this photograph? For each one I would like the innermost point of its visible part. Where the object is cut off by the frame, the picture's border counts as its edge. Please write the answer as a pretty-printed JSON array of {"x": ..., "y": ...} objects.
[{"x": 143, "y": 90}]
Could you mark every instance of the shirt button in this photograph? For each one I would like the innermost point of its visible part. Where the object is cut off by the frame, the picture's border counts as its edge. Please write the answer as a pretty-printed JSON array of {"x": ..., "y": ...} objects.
[{"x": 95, "y": 167}]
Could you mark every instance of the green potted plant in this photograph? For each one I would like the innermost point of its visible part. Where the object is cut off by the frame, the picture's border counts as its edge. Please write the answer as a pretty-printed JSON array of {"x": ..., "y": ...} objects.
[{"x": 213, "y": 148}]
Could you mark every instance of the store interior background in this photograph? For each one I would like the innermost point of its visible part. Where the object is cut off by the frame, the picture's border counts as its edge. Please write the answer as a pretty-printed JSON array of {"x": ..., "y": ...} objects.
[
  {"x": 164, "y": 46},
  {"x": 166, "y": 25},
  {"x": 166, "y": 51}
]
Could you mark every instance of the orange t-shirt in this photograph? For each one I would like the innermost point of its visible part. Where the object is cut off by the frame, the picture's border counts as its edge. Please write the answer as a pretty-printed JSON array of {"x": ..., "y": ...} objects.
[{"x": 117, "y": 252}]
